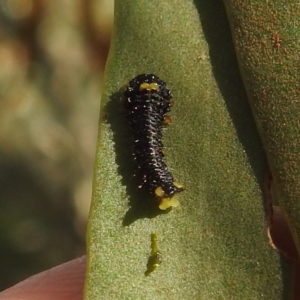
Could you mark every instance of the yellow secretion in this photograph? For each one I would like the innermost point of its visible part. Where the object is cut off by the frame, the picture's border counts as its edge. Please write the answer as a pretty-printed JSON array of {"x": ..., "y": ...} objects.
[
  {"x": 154, "y": 243},
  {"x": 155, "y": 258},
  {"x": 166, "y": 203}
]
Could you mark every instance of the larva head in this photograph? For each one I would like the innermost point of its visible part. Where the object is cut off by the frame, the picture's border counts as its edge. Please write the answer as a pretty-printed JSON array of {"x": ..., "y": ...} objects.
[
  {"x": 146, "y": 82},
  {"x": 142, "y": 88}
]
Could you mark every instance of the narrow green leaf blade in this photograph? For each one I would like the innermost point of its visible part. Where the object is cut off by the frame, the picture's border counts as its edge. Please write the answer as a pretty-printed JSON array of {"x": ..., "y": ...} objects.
[
  {"x": 267, "y": 39},
  {"x": 214, "y": 246}
]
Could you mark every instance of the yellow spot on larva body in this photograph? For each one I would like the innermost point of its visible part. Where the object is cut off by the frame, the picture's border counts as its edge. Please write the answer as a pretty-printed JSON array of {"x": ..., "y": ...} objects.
[
  {"x": 178, "y": 185},
  {"x": 159, "y": 192},
  {"x": 149, "y": 86}
]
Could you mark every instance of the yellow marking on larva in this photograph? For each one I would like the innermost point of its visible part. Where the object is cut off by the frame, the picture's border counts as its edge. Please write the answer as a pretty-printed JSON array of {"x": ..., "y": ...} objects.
[
  {"x": 154, "y": 86},
  {"x": 149, "y": 86},
  {"x": 159, "y": 192},
  {"x": 144, "y": 86},
  {"x": 178, "y": 185}
]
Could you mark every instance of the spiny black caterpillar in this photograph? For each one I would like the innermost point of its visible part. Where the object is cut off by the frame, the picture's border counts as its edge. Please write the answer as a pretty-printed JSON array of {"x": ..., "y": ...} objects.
[{"x": 148, "y": 101}]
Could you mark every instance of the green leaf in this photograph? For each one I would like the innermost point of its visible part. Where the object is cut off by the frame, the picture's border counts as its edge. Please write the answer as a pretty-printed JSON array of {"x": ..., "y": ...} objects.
[
  {"x": 267, "y": 39},
  {"x": 215, "y": 245}
]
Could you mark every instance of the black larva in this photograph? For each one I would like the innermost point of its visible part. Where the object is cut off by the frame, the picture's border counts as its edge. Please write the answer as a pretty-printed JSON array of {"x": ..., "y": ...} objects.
[{"x": 148, "y": 101}]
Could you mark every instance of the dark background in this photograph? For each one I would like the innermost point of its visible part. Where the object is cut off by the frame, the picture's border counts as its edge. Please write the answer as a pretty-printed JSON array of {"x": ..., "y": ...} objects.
[{"x": 52, "y": 57}]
